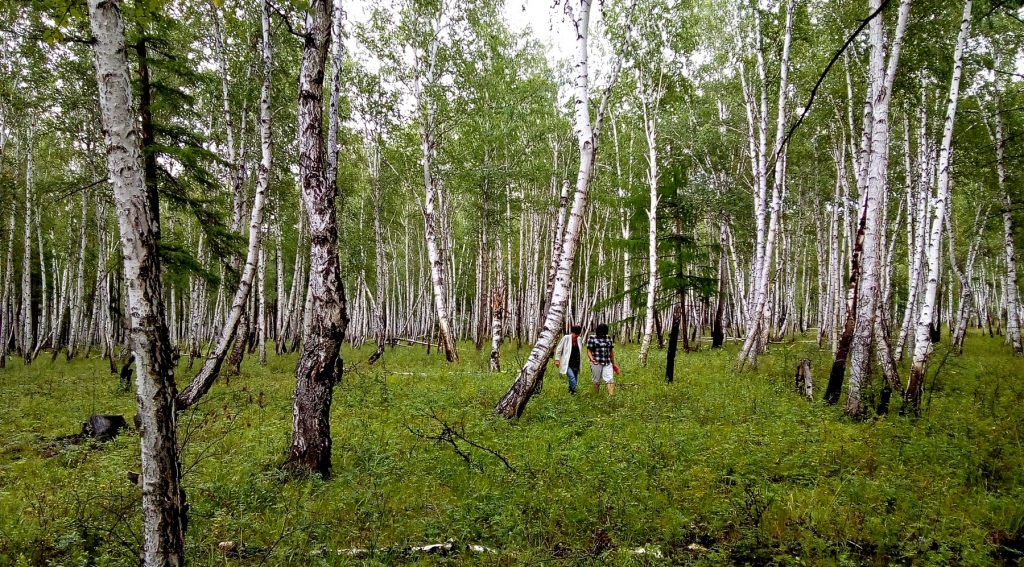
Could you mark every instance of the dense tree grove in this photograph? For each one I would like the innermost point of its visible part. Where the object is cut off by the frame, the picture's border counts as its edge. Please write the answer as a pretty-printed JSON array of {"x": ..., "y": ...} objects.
[{"x": 215, "y": 179}]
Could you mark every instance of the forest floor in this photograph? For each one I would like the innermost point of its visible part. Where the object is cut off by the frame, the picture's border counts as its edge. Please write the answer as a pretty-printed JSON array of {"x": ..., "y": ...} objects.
[{"x": 716, "y": 468}]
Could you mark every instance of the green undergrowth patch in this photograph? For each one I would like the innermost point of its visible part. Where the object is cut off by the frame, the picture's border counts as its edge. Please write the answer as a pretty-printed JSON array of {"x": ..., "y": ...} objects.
[{"x": 719, "y": 467}]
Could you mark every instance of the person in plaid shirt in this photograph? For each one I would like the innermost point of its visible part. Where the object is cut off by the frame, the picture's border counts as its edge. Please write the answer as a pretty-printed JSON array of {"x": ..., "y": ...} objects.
[{"x": 601, "y": 350}]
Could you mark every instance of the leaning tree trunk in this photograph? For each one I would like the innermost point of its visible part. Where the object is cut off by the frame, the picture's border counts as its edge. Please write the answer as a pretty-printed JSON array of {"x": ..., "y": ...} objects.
[
  {"x": 922, "y": 343},
  {"x": 514, "y": 401},
  {"x": 202, "y": 382},
  {"x": 967, "y": 296},
  {"x": 319, "y": 367},
  {"x": 163, "y": 500},
  {"x": 425, "y": 78}
]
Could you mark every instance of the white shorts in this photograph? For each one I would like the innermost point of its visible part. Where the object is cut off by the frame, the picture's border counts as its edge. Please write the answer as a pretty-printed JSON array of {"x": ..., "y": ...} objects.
[{"x": 602, "y": 373}]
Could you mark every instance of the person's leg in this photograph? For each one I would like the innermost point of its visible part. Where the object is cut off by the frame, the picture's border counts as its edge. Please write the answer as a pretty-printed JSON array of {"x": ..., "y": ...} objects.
[
  {"x": 572, "y": 380},
  {"x": 609, "y": 379},
  {"x": 595, "y": 377}
]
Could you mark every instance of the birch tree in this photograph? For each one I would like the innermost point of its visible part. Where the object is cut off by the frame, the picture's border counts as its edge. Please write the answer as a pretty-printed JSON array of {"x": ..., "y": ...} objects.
[
  {"x": 319, "y": 367},
  {"x": 922, "y": 343},
  {"x": 206, "y": 376},
  {"x": 870, "y": 237},
  {"x": 163, "y": 500},
  {"x": 514, "y": 401}
]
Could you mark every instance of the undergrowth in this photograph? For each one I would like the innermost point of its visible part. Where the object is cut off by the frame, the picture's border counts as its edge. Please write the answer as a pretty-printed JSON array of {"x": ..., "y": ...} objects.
[{"x": 717, "y": 468}]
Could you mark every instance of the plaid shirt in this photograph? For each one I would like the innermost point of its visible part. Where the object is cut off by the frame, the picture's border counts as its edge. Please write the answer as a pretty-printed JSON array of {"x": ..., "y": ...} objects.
[{"x": 602, "y": 349}]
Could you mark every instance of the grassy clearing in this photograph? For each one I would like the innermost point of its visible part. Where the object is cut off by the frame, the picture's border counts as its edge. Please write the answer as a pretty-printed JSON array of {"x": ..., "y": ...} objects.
[{"x": 716, "y": 468}]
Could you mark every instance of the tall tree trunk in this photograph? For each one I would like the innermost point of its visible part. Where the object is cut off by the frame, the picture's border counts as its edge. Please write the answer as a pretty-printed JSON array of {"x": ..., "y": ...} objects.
[
  {"x": 27, "y": 334},
  {"x": 868, "y": 288},
  {"x": 497, "y": 310},
  {"x": 717, "y": 332},
  {"x": 163, "y": 500},
  {"x": 380, "y": 256},
  {"x": 757, "y": 326},
  {"x": 432, "y": 202},
  {"x": 922, "y": 344},
  {"x": 1010, "y": 278},
  {"x": 514, "y": 401},
  {"x": 319, "y": 367},
  {"x": 44, "y": 315},
  {"x": 206, "y": 376},
  {"x": 650, "y": 131},
  {"x": 7, "y": 317}
]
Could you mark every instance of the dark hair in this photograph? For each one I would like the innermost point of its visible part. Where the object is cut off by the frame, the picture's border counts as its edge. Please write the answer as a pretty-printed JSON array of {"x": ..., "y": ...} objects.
[
  {"x": 602, "y": 330},
  {"x": 576, "y": 329}
]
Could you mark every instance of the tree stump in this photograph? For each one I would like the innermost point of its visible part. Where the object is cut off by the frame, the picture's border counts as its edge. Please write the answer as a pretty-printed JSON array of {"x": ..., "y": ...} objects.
[{"x": 804, "y": 384}]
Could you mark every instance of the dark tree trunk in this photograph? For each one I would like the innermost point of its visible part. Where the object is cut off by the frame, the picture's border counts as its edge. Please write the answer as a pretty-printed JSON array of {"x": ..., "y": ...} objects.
[
  {"x": 838, "y": 373},
  {"x": 319, "y": 366},
  {"x": 673, "y": 340},
  {"x": 658, "y": 330}
]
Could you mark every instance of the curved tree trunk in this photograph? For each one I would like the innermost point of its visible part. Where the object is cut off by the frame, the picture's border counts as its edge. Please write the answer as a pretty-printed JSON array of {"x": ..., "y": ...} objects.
[
  {"x": 202, "y": 382},
  {"x": 514, "y": 401}
]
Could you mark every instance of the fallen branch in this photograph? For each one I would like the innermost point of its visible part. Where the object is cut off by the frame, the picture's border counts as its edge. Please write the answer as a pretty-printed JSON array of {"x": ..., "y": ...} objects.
[{"x": 452, "y": 435}]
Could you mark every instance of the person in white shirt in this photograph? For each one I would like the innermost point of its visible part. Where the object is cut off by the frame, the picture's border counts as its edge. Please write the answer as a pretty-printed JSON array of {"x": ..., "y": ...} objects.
[{"x": 569, "y": 354}]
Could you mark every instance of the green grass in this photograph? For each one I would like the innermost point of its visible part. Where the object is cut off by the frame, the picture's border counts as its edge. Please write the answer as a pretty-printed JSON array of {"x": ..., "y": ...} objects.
[{"x": 717, "y": 468}]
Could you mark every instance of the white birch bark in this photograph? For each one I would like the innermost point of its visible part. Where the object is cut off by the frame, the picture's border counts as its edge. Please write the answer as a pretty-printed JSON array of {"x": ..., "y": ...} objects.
[
  {"x": 206, "y": 376},
  {"x": 922, "y": 344},
  {"x": 78, "y": 299},
  {"x": 757, "y": 317},
  {"x": 1010, "y": 258},
  {"x": 650, "y": 110},
  {"x": 319, "y": 366},
  {"x": 261, "y": 301},
  {"x": 424, "y": 78},
  {"x": 514, "y": 401},
  {"x": 44, "y": 315},
  {"x": 7, "y": 312},
  {"x": 163, "y": 500},
  {"x": 27, "y": 335},
  {"x": 868, "y": 290}
]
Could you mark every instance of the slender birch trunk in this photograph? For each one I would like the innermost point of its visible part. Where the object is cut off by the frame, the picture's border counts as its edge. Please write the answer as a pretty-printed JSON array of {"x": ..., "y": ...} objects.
[
  {"x": 922, "y": 344},
  {"x": 206, "y": 376},
  {"x": 27, "y": 334},
  {"x": 433, "y": 204},
  {"x": 380, "y": 256},
  {"x": 757, "y": 330},
  {"x": 7, "y": 317},
  {"x": 1010, "y": 258},
  {"x": 514, "y": 401},
  {"x": 868, "y": 289},
  {"x": 650, "y": 131}
]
